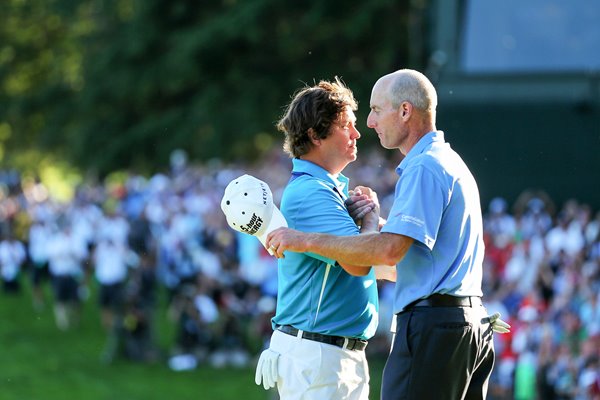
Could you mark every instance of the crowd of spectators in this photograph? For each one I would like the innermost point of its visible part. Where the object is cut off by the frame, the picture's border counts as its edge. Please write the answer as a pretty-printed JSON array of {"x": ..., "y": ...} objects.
[{"x": 130, "y": 244}]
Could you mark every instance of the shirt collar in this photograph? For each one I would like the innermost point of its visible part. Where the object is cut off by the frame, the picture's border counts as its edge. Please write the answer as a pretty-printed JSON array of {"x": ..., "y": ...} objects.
[
  {"x": 420, "y": 147},
  {"x": 307, "y": 167}
]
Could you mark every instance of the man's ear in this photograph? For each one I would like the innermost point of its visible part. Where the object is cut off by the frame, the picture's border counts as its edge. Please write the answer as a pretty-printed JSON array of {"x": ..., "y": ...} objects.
[
  {"x": 313, "y": 137},
  {"x": 404, "y": 109}
]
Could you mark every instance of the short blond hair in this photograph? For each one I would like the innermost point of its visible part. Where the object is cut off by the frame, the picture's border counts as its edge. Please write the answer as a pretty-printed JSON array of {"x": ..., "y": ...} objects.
[{"x": 414, "y": 87}]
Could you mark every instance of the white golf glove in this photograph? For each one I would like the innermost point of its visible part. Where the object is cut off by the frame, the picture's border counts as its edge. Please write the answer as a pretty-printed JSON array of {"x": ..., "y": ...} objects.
[
  {"x": 498, "y": 325},
  {"x": 266, "y": 369}
]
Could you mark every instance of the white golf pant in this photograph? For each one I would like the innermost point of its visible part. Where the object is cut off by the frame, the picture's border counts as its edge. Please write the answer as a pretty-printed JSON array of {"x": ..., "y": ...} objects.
[{"x": 310, "y": 370}]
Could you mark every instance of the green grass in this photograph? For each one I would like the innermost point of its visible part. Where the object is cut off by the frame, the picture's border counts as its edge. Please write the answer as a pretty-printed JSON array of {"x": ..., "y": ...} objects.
[{"x": 39, "y": 362}]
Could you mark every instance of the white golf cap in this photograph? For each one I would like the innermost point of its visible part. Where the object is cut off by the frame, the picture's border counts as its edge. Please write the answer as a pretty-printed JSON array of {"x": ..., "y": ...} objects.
[{"x": 249, "y": 208}]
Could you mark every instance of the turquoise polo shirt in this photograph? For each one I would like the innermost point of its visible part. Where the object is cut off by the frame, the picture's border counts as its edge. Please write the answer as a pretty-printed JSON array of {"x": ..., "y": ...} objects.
[
  {"x": 437, "y": 204},
  {"x": 315, "y": 294}
]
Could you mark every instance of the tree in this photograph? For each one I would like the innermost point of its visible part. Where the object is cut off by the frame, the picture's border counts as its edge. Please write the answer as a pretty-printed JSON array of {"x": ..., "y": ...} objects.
[{"x": 114, "y": 84}]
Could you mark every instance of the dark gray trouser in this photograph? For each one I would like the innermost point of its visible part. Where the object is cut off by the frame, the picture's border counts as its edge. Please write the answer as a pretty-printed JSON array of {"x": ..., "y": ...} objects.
[{"x": 439, "y": 353}]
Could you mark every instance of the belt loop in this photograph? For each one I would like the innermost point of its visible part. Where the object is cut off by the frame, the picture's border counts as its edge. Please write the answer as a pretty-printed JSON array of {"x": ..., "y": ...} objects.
[
  {"x": 471, "y": 301},
  {"x": 346, "y": 341},
  {"x": 300, "y": 332}
]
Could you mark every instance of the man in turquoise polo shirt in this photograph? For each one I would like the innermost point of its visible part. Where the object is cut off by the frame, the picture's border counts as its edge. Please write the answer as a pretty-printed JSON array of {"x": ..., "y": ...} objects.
[
  {"x": 326, "y": 310},
  {"x": 443, "y": 346}
]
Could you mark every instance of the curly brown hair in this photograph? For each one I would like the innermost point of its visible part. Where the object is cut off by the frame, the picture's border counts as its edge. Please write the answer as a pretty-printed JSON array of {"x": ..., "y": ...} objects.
[{"x": 313, "y": 108}]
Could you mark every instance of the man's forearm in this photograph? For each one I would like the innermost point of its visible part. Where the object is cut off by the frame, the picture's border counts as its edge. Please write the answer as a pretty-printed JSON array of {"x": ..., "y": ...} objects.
[{"x": 363, "y": 250}]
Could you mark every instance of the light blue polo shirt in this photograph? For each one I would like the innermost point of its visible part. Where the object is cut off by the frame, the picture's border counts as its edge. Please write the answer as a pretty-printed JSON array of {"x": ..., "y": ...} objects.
[
  {"x": 437, "y": 204},
  {"x": 315, "y": 294}
]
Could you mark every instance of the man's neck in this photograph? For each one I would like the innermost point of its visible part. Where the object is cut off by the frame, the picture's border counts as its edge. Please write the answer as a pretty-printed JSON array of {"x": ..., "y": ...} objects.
[
  {"x": 416, "y": 135},
  {"x": 315, "y": 159}
]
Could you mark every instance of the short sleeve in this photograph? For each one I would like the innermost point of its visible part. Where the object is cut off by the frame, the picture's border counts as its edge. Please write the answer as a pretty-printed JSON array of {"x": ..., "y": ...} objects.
[{"x": 418, "y": 206}]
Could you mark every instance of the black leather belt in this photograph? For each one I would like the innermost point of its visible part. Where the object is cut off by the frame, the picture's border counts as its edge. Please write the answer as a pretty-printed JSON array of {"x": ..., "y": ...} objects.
[
  {"x": 339, "y": 341},
  {"x": 445, "y": 300}
]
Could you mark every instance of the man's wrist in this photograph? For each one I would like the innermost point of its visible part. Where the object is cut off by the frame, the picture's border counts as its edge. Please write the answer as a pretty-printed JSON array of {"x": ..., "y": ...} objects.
[
  {"x": 370, "y": 222},
  {"x": 310, "y": 242}
]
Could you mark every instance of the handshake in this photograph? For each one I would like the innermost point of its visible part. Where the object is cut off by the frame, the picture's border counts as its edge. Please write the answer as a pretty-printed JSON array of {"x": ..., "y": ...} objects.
[{"x": 361, "y": 201}]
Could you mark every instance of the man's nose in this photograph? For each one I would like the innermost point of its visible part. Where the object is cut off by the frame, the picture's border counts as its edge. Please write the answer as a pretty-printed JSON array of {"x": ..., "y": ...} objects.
[{"x": 371, "y": 121}]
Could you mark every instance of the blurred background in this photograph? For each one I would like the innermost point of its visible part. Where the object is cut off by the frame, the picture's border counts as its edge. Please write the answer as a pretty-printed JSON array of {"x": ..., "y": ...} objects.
[{"x": 122, "y": 121}]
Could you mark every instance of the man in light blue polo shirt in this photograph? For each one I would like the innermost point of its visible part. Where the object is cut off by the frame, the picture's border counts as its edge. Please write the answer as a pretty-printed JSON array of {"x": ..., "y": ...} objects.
[
  {"x": 326, "y": 310},
  {"x": 437, "y": 190},
  {"x": 443, "y": 345}
]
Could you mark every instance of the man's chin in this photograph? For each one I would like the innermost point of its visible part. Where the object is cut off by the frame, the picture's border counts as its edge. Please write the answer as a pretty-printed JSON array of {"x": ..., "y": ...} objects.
[{"x": 384, "y": 145}]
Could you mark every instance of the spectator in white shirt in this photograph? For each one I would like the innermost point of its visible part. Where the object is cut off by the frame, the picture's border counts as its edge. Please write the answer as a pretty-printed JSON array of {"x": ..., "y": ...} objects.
[
  {"x": 40, "y": 233},
  {"x": 65, "y": 258},
  {"x": 111, "y": 262},
  {"x": 12, "y": 257}
]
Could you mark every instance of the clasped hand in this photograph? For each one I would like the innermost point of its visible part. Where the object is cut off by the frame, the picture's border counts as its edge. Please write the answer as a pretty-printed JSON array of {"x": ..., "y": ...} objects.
[{"x": 361, "y": 201}]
